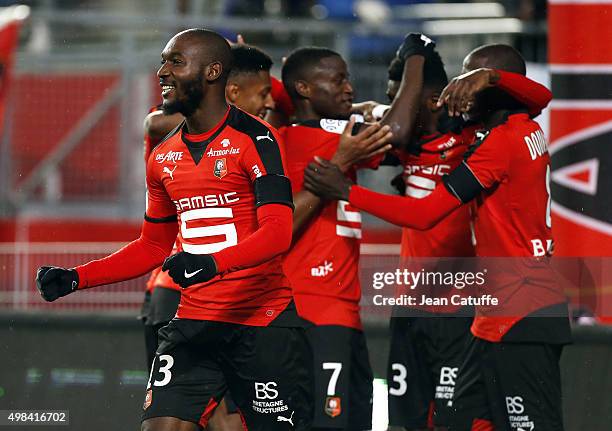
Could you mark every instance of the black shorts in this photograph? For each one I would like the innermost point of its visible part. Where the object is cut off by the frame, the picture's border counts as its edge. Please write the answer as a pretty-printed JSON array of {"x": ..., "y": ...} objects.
[
  {"x": 424, "y": 356},
  {"x": 267, "y": 370},
  {"x": 158, "y": 309},
  {"x": 513, "y": 385},
  {"x": 343, "y": 378}
]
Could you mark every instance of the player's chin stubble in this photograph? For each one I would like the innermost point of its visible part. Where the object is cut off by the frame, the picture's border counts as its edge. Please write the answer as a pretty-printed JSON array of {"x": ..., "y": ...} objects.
[{"x": 188, "y": 104}]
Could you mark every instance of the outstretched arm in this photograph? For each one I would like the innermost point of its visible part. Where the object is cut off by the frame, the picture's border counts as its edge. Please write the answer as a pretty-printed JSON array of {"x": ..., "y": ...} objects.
[
  {"x": 325, "y": 179},
  {"x": 133, "y": 260},
  {"x": 485, "y": 167},
  {"x": 421, "y": 214}
]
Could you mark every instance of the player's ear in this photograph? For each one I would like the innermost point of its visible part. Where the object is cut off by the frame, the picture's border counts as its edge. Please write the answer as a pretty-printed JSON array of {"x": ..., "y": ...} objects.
[
  {"x": 213, "y": 71},
  {"x": 232, "y": 91},
  {"x": 302, "y": 88}
]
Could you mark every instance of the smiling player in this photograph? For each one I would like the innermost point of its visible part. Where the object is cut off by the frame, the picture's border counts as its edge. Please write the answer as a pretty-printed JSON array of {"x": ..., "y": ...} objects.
[{"x": 228, "y": 194}]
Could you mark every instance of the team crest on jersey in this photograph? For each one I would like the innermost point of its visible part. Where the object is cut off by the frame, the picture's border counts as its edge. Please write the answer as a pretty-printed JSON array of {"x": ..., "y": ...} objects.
[
  {"x": 148, "y": 399},
  {"x": 333, "y": 406},
  {"x": 220, "y": 169}
]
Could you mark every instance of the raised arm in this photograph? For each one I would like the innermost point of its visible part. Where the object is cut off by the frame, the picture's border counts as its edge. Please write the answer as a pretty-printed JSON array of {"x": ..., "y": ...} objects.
[{"x": 401, "y": 116}]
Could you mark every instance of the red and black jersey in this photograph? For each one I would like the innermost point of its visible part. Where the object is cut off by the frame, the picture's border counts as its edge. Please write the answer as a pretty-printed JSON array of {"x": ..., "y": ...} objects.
[
  {"x": 322, "y": 264},
  {"x": 214, "y": 183},
  {"x": 437, "y": 155},
  {"x": 511, "y": 166},
  {"x": 508, "y": 171},
  {"x": 433, "y": 157}
]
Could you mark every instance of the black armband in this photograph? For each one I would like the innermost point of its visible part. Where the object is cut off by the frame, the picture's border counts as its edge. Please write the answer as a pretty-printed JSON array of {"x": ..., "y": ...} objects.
[
  {"x": 273, "y": 189},
  {"x": 169, "y": 219},
  {"x": 462, "y": 183}
]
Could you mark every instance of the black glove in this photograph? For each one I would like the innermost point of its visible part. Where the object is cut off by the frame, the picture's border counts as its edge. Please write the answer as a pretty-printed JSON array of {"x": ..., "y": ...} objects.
[
  {"x": 54, "y": 282},
  {"x": 187, "y": 269},
  {"x": 415, "y": 44}
]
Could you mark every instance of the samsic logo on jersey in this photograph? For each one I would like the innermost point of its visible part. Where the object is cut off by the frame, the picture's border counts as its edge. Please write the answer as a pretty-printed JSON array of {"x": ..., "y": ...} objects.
[
  {"x": 220, "y": 169},
  {"x": 333, "y": 406},
  {"x": 170, "y": 156}
]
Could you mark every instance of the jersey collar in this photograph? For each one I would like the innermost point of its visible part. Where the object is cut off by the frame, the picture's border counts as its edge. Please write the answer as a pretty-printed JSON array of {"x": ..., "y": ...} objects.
[{"x": 196, "y": 144}]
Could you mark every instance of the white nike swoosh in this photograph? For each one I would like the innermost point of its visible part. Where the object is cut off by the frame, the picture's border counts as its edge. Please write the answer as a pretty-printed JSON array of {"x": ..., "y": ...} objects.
[{"x": 191, "y": 274}]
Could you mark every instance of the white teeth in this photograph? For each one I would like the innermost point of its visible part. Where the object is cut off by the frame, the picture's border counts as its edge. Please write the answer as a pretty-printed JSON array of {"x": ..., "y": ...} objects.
[{"x": 166, "y": 89}]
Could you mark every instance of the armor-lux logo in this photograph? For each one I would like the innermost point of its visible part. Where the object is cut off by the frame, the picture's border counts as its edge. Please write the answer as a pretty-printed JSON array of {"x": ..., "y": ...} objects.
[
  {"x": 170, "y": 156},
  {"x": 224, "y": 152}
]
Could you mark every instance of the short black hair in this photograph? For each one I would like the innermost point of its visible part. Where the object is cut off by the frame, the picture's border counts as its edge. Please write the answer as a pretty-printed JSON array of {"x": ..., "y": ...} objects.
[
  {"x": 213, "y": 46},
  {"x": 500, "y": 56},
  {"x": 434, "y": 74},
  {"x": 299, "y": 62},
  {"x": 249, "y": 59},
  {"x": 396, "y": 70}
]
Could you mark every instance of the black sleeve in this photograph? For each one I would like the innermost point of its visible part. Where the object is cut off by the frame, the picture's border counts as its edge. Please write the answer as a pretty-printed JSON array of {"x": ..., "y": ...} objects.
[
  {"x": 462, "y": 183},
  {"x": 273, "y": 189},
  {"x": 169, "y": 219}
]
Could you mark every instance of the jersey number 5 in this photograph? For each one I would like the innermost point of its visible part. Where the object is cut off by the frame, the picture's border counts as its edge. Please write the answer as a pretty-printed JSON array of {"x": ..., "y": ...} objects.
[
  {"x": 228, "y": 230},
  {"x": 346, "y": 215}
]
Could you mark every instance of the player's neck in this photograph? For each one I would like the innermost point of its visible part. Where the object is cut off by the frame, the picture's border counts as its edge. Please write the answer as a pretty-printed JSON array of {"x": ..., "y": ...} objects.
[
  {"x": 428, "y": 129},
  {"x": 206, "y": 117},
  {"x": 494, "y": 118},
  {"x": 304, "y": 112}
]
